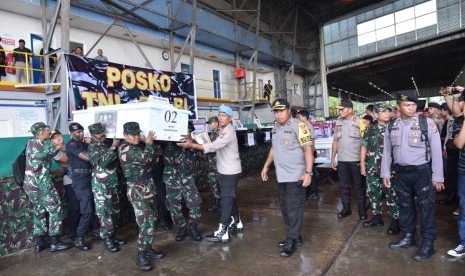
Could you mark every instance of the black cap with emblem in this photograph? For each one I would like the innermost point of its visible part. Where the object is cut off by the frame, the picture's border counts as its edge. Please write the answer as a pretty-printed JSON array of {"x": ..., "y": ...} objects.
[{"x": 407, "y": 96}]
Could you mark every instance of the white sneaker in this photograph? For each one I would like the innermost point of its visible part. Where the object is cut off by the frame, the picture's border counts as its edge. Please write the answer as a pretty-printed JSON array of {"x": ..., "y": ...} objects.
[{"x": 459, "y": 251}]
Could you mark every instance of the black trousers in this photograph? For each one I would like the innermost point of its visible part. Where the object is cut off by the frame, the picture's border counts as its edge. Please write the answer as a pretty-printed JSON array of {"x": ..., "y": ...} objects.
[
  {"x": 452, "y": 172},
  {"x": 82, "y": 189},
  {"x": 160, "y": 188},
  {"x": 408, "y": 183},
  {"x": 228, "y": 188},
  {"x": 349, "y": 173},
  {"x": 292, "y": 201},
  {"x": 74, "y": 214},
  {"x": 313, "y": 188}
]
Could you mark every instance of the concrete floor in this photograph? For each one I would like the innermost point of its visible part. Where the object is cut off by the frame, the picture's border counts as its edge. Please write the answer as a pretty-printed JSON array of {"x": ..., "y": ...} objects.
[{"x": 331, "y": 246}]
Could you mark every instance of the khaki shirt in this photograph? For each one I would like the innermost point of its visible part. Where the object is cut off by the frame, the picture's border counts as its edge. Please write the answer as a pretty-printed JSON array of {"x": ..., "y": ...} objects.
[
  {"x": 349, "y": 139},
  {"x": 288, "y": 143},
  {"x": 227, "y": 151}
]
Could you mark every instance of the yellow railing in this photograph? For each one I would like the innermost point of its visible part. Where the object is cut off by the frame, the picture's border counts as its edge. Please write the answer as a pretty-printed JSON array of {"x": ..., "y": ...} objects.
[
  {"x": 229, "y": 90},
  {"x": 27, "y": 68}
]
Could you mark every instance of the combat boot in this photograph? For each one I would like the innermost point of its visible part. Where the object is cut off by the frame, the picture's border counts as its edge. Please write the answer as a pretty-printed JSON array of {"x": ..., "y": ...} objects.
[
  {"x": 41, "y": 244},
  {"x": 426, "y": 250},
  {"x": 220, "y": 235},
  {"x": 394, "y": 227},
  {"x": 298, "y": 242},
  {"x": 376, "y": 221},
  {"x": 236, "y": 224},
  {"x": 407, "y": 240},
  {"x": 118, "y": 242},
  {"x": 182, "y": 234},
  {"x": 56, "y": 245},
  {"x": 150, "y": 253},
  {"x": 345, "y": 211},
  {"x": 80, "y": 244},
  {"x": 194, "y": 232},
  {"x": 216, "y": 206},
  {"x": 110, "y": 246},
  {"x": 142, "y": 261},
  {"x": 96, "y": 235}
]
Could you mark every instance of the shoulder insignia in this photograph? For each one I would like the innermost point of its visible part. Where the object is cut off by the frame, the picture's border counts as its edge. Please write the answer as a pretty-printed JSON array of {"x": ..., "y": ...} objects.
[
  {"x": 305, "y": 135},
  {"x": 433, "y": 127},
  {"x": 222, "y": 134}
]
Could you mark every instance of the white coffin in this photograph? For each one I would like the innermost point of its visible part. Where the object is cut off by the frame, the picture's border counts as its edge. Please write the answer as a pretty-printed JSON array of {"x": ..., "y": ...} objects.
[{"x": 168, "y": 123}]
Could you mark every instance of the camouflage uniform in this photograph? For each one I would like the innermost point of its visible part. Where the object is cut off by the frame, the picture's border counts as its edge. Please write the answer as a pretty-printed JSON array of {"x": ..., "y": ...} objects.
[
  {"x": 213, "y": 178},
  {"x": 136, "y": 161},
  {"x": 373, "y": 140},
  {"x": 104, "y": 185},
  {"x": 39, "y": 187},
  {"x": 179, "y": 178}
]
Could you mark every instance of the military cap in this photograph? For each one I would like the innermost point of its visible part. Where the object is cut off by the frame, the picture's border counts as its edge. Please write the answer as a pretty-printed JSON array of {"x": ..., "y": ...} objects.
[
  {"x": 226, "y": 110},
  {"x": 380, "y": 107},
  {"x": 75, "y": 126},
  {"x": 433, "y": 104},
  {"x": 407, "y": 96},
  {"x": 345, "y": 103},
  {"x": 131, "y": 128},
  {"x": 35, "y": 128},
  {"x": 96, "y": 128},
  {"x": 54, "y": 132},
  {"x": 280, "y": 104},
  {"x": 212, "y": 119}
]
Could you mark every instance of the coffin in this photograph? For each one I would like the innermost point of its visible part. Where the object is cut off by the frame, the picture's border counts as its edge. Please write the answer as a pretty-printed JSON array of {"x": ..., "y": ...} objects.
[{"x": 168, "y": 123}]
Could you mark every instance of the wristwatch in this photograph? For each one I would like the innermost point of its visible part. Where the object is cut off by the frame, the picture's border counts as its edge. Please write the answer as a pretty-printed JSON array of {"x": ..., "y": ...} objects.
[{"x": 309, "y": 173}]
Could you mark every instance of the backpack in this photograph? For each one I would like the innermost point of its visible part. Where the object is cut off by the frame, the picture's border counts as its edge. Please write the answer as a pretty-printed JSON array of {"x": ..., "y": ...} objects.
[
  {"x": 424, "y": 136},
  {"x": 19, "y": 167}
]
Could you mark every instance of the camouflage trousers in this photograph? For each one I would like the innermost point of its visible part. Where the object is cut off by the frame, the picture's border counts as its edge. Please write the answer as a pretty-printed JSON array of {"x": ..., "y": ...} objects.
[
  {"x": 142, "y": 197},
  {"x": 106, "y": 207},
  {"x": 177, "y": 188},
  {"x": 44, "y": 199},
  {"x": 213, "y": 180},
  {"x": 375, "y": 191}
]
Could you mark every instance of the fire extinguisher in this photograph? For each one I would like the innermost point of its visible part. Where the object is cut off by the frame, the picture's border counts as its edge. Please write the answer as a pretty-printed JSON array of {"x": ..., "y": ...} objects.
[{"x": 10, "y": 69}]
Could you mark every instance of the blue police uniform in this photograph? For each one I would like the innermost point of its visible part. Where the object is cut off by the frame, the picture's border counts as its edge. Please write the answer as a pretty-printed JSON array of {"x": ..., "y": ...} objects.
[{"x": 82, "y": 178}]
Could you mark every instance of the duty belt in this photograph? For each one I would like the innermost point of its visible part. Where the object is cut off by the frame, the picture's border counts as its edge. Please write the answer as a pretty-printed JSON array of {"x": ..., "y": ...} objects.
[
  {"x": 411, "y": 168},
  {"x": 81, "y": 171}
]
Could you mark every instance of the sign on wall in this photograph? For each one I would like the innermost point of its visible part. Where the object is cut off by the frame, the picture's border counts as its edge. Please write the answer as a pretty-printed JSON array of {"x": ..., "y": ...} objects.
[{"x": 96, "y": 83}]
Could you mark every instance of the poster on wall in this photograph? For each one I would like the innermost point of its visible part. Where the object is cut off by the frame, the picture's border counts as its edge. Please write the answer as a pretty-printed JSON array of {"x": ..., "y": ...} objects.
[{"x": 96, "y": 83}]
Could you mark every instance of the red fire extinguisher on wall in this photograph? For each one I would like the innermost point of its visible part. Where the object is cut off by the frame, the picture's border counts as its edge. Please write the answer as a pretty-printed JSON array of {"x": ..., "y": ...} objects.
[{"x": 10, "y": 69}]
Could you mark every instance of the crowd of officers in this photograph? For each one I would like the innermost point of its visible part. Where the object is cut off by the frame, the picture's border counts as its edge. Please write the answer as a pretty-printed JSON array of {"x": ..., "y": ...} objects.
[
  {"x": 401, "y": 153},
  {"x": 397, "y": 155}
]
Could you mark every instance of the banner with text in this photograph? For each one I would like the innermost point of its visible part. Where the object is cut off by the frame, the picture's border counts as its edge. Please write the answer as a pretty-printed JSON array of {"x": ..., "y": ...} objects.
[{"x": 98, "y": 83}]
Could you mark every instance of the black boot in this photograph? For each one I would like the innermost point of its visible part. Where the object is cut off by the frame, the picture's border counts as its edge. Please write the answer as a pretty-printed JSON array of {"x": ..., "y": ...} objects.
[
  {"x": 289, "y": 248},
  {"x": 216, "y": 206},
  {"x": 118, "y": 242},
  {"x": 236, "y": 225},
  {"x": 376, "y": 221},
  {"x": 154, "y": 254},
  {"x": 41, "y": 244},
  {"x": 96, "y": 235},
  {"x": 80, "y": 244},
  {"x": 56, "y": 245},
  {"x": 163, "y": 225},
  {"x": 449, "y": 199},
  {"x": 362, "y": 211},
  {"x": 194, "y": 232},
  {"x": 220, "y": 235},
  {"x": 407, "y": 240},
  {"x": 426, "y": 250},
  {"x": 182, "y": 234},
  {"x": 110, "y": 246},
  {"x": 298, "y": 242},
  {"x": 394, "y": 227},
  {"x": 142, "y": 261},
  {"x": 345, "y": 211}
]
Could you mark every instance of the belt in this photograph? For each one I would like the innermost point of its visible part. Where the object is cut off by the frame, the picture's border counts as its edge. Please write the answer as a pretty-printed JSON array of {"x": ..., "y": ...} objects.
[
  {"x": 81, "y": 171},
  {"x": 411, "y": 168}
]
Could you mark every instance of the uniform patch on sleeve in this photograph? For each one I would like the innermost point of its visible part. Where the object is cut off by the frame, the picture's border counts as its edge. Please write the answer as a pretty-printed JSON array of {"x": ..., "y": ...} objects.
[
  {"x": 305, "y": 135},
  {"x": 434, "y": 127}
]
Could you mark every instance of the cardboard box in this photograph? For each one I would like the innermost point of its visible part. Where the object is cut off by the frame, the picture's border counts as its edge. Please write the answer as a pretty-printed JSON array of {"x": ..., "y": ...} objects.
[{"x": 168, "y": 123}]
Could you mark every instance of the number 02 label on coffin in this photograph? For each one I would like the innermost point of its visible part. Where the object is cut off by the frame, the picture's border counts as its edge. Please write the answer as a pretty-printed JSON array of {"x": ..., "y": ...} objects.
[{"x": 169, "y": 123}]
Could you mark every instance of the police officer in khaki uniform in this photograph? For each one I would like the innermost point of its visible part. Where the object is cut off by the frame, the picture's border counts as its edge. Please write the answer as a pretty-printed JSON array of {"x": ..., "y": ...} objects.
[
  {"x": 346, "y": 144},
  {"x": 292, "y": 154},
  {"x": 417, "y": 162}
]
